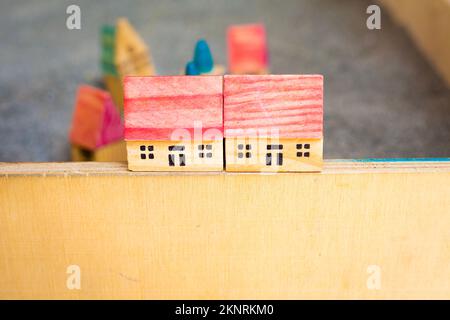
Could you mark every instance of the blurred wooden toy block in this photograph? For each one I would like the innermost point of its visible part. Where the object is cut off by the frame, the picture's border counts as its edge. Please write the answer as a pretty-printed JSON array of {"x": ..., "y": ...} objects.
[
  {"x": 203, "y": 62},
  {"x": 174, "y": 123},
  {"x": 247, "y": 49},
  {"x": 273, "y": 122},
  {"x": 123, "y": 53},
  {"x": 132, "y": 55},
  {"x": 113, "y": 152},
  {"x": 96, "y": 122},
  {"x": 115, "y": 87}
]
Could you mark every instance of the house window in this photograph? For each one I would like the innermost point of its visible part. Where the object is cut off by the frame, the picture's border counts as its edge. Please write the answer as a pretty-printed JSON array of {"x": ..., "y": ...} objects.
[
  {"x": 241, "y": 153},
  {"x": 277, "y": 154},
  {"x": 174, "y": 152},
  {"x": 205, "y": 150},
  {"x": 144, "y": 154},
  {"x": 301, "y": 150}
]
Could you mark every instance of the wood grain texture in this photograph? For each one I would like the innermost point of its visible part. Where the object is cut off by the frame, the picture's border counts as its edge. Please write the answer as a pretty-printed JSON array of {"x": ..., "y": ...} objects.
[
  {"x": 225, "y": 236},
  {"x": 428, "y": 23},
  {"x": 96, "y": 121},
  {"x": 281, "y": 155},
  {"x": 156, "y": 106},
  {"x": 247, "y": 49},
  {"x": 289, "y": 106}
]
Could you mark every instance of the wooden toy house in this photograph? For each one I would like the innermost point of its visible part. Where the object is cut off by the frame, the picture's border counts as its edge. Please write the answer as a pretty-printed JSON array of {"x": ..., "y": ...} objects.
[
  {"x": 247, "y": 49},
  {"x": 97, "y": 129},
  {"x": 273, "y": 122},
  {"x": 174, "y": 123},
  {"x": 123, "y": 53}
]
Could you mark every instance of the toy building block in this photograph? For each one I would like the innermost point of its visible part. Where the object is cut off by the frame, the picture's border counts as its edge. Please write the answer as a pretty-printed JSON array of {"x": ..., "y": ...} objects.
[
  {"x": 132, "y": 56},
  {"x": 174, "y": 123},
  {"x": 203, "y": 63},
  {"x": 114, "y": 85},
  {"x": 273, "y": 122},
  {"x": 96, "y": 122},
  {"x": 123, "y": 53},
  {"x": 247, "y": 49},
  {"x": 113, "y": 152}
]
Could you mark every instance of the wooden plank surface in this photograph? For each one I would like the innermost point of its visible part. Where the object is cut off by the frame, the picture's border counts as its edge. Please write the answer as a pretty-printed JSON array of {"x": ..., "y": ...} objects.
[{"x": 223, "y": 235}]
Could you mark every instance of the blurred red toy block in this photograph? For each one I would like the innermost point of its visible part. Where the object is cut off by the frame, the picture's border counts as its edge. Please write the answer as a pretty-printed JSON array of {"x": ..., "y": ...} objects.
[
  {"x": 174, "y": 123},
  {"x": 96, "y": 121},
  {"x": 247, "y": 49},
  {"x": 273, "y": 122}
]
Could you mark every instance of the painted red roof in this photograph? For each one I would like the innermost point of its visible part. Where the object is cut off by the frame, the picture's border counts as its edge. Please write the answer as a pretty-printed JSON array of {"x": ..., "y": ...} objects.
[
  {"x": 157, "y": 105},
  {"x": 291, "y": 105}
]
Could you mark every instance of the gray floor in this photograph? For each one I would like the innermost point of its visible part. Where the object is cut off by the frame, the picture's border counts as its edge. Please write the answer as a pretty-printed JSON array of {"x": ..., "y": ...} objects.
[{"x": 382, "y": 98}]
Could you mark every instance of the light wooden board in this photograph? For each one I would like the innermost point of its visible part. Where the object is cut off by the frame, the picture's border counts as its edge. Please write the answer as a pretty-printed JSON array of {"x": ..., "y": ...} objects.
[
  {"x": 207, "y": 236},
  {"x": 428, "y": 22}
]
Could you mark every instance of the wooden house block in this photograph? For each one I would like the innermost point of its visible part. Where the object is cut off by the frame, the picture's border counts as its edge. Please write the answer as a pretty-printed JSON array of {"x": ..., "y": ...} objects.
[
  {"x": 115, "y": 151},
  {"x": 247, "y": 49},
  {"x": 96, "y": 121},
  {"x": 174, "y": 123},
  {"x": 123, "y": 53},
  {"x": 273, "y": 122},
  {"x": 115, "y": 87}
]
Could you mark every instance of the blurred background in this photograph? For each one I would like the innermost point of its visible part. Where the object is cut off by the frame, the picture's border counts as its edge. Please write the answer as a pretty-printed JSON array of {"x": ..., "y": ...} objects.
[{"x": 382, "y": 96}]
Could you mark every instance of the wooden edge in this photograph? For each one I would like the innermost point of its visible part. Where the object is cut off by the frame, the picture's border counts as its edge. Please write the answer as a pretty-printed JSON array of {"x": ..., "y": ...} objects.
[
  {"x": 8, "y": 169},
  {"x": 428, "y": 23}
]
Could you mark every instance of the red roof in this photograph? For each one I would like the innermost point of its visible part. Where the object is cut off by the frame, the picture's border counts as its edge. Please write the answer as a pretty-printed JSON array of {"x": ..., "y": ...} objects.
[
  {"x": 291, "y": 105},
  {"x": 247, "y": 48},
  {"x": 157, "y": 105},
  {"x": 96, "y": 121}
]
